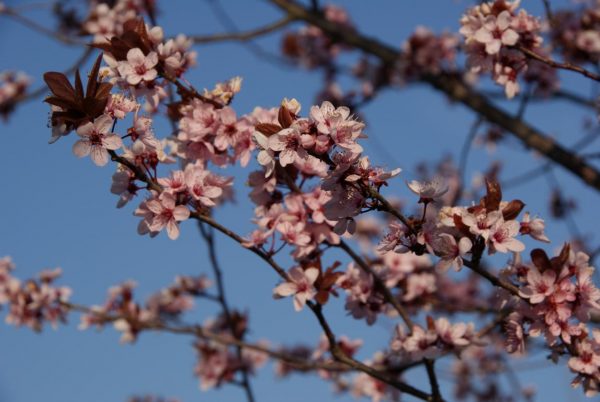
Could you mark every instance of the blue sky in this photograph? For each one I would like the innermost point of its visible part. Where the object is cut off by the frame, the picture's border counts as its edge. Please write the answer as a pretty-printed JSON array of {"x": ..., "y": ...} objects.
[{"x": 57, "y": 210}]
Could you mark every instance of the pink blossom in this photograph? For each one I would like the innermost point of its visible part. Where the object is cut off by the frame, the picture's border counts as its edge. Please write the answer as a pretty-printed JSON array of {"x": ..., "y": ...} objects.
[
  {"x": 534, "y": 228},
  {"x": 587, "y": 360},
  {"x": 199, "y": 184},
  {"x": 428, "y": 190},
  {"x": 96, "y": 140},
  {"x": 481, "y": 223},
  {"x": 166, "y": 214},
  {"x": 138, "y": 67},
  {"x": 539, "y": 285},
  {"x": 450, "y": 252},
  {"x": 502, "y": 237},
  {"x": 454, "y": 335},
  {"x": 338, "y": 124},
  {"x": 300, "y": 285},
  {"x": 496, "y": 32},
  {"x": 419, "y": 285},
  {"x": 289, "y": 145}
]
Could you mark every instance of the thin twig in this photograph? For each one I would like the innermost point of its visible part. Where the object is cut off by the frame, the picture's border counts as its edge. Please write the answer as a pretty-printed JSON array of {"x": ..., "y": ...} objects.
[
  {"x": 555, "y": 64},
  {"x": 204, "y": 333},
  {"x": 435, "y": 386},
  {"x": 380, "y": 285},
  {"x": 243, "y": 36},
  {"x": 208, "y": 237},
  {"x": 67, "y": 40},
  {"x": 555, "y": 95},
  {"x": 464, "y": 158}
]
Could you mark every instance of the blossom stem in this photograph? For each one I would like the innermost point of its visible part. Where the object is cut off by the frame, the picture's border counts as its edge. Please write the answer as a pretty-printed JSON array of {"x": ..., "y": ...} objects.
[{"x": 555, "y": 64}]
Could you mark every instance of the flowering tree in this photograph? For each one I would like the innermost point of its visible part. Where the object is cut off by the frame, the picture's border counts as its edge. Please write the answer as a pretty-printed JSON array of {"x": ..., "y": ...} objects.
[{"x": 459, "y": 270}]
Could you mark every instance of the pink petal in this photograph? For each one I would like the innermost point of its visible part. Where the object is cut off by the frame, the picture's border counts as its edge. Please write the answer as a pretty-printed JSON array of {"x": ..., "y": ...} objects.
[
  {"x": 493, "y": 47},
  {"x": 277, "y": 142},
  {"x": 285, "y": 289},
  {"x": 286, "y": 157},
  {"x": 150, "y": 75},
  {"x": 136, "y": 57},
  {"x": 311, "y": 275},
  {"x": 299, "y": 301},
  {"x": 503, "y": 20},
  {"x": 172, "y": 229},
  {"x": 155, "y": 206},
  {"x": 112, "y": 142},
  {"x": 86, "y": 130},
  {"x": 103, "y": 123},
  {"x": 181, "y": 213},
  {"x": 483, "y": 36},
  {"x": 134, "y": 79},
  {"x": 151, "y": 60},
  {"x": 464, "y": 245},
  {"x": 510, "y": 37},
  {"x": 99, "y": 155},
  {"x": 82, "y": 148}
]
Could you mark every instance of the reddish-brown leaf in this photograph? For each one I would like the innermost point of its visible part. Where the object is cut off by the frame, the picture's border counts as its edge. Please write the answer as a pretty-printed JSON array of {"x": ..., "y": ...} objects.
[
  {"x": 59, "y": 85},
  {"x": 79, "y": 95},
  {"x": 561, "y": 258},
  {"x": 60, "y": 102},
  {"x": 285, "y": 117},
  {"x": 92, "y": 83},
  {"x": 493, "y": 197},
  {"x": 267, "y": 129},
  {"x": 512, "y": 209},
  {"x": 540, "y": 259}
]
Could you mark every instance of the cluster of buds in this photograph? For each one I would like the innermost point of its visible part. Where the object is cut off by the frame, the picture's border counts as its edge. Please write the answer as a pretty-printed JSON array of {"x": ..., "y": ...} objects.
[
  {"x": 494, "y": 32},
  {"x": 13, "y": 86},
  {"x": 33, "y": 302},
  {"x": 218, "y": 363},
  {"x": 130, "y": 318}
]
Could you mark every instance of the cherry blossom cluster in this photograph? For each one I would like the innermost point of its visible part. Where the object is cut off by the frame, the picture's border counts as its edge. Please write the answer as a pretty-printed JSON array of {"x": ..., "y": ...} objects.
[
  {"x": 458, "y": 231},
  {"x": 576, "y": 34},
  {"x": 478, "y": 376},
  {"x": 13, "y": 85},
  {"x": 556, "y": 298},
  {"x": 106, "y": 19},
  {"x": 219, "y": 364},
  {"x": 207, "y": 134},
  {"x": 129, "y": 317},
  {"x": 140, "y": 56},
  {"x": 427, "y": 53},
  {"x": 194, "y": 185},
  {"x": 295, "y": 151},
  {"x": 438, "y": 338},
  {"x": 493, "y": 31},
  {"x": 33, "y": 302},
  {"x": 216, "y": 135},
  {"x": 310, "y": 46}
]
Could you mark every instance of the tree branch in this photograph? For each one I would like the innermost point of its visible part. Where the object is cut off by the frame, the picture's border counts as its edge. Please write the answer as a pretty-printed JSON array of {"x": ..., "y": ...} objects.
[
  {"x": 555, "y": 64},
  {"x": 455, "y": 88},
  {"x": 208, "y": 237},
  {"x": 243, "y": 36}
]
